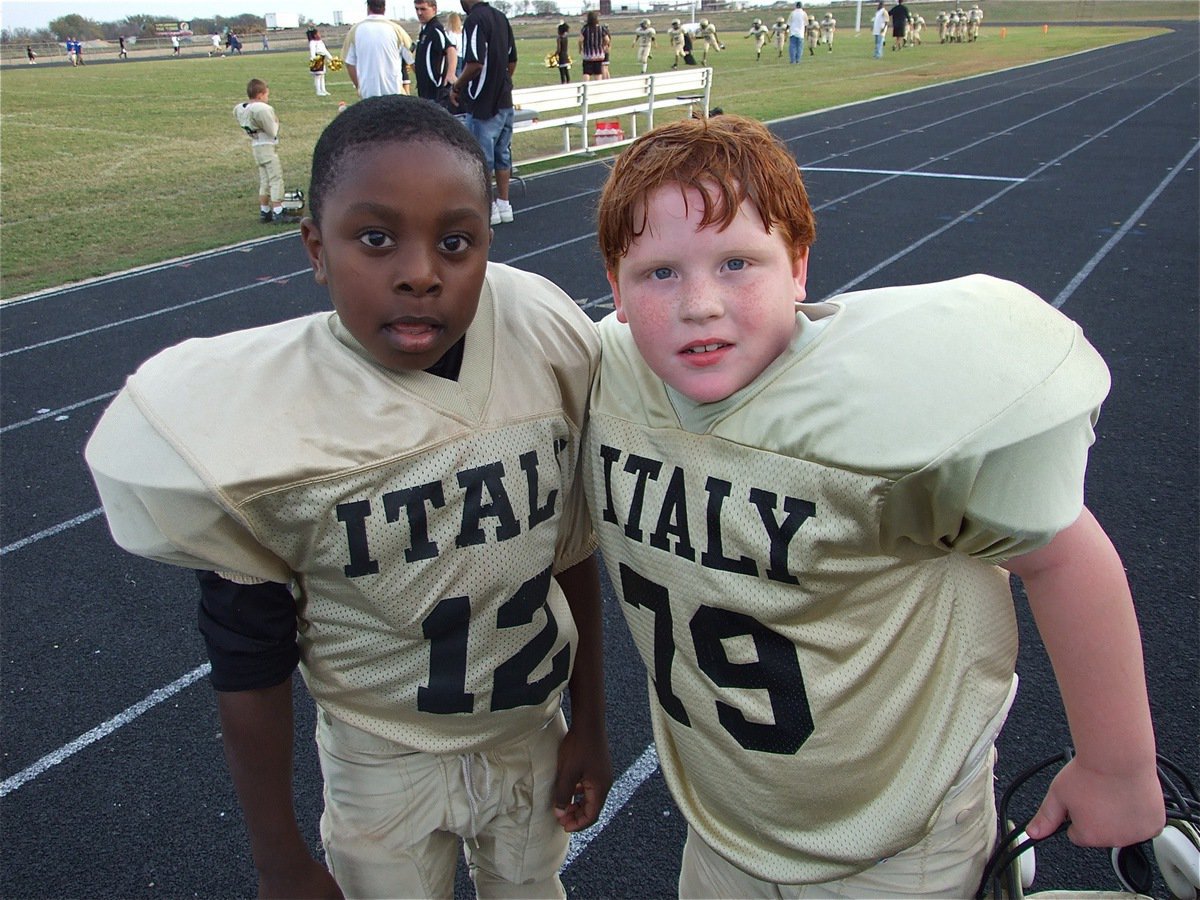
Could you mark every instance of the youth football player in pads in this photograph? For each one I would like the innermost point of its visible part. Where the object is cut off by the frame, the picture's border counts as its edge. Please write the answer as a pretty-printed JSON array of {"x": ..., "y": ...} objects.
[
  {"x": 388, "y": 494},
  {"x": 810, "y": 513}
]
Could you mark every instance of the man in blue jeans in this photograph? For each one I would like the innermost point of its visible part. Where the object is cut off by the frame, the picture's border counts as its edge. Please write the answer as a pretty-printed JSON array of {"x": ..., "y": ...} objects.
[
  {"x": 484, "y": 92},
  {"x": 797, "y": 25},
  {"x": 879, "y": 28}
]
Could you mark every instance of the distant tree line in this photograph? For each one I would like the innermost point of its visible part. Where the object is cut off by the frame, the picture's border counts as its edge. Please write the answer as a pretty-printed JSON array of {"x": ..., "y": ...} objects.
[
  {"x": 137, "y": 26},
  {"x": 142, "y": 25}
]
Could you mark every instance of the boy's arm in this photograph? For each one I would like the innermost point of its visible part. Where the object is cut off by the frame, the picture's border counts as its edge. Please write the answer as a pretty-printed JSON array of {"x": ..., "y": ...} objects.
[
  {"x": 584, "y": 766},
  {"x": 1081, "y": 602},
  {"x": 257, "y": 728}
]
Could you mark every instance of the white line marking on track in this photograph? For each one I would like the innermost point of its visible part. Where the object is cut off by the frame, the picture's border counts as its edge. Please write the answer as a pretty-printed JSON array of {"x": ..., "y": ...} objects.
[
  {"x": 996, "y": 196},
  {"x": 51, "y": 531},
  {"x": 624, "y": 788},
  {"x": 50, "y": 760},
  {"x": 1083, "y": 273},
  {"x": 57, "y": 412},
  {"x": 157, "y": 312},
  {"x": 912, "y": 174}
]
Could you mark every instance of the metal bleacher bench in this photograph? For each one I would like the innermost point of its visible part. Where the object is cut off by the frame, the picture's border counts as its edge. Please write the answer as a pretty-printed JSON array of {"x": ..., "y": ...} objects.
[{"x": 574, "y": 106}]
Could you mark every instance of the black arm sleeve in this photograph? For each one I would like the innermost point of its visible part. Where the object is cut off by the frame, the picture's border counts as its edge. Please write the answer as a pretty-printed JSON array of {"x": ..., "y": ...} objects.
[{"x": 250, "y": 632}]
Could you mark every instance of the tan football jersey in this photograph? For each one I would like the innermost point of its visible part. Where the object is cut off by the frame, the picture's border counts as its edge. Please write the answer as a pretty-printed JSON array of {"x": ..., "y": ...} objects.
[
  {"x": 419, "y": 520},
  {"x": 258, "y": 120},
  {"x": 807, "y": 567}
]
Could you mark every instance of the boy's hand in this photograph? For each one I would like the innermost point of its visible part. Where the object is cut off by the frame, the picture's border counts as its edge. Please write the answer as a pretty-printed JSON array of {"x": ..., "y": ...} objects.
[
  {"x": 1105, "y": 810},
  {"x": 308, "y": 880},
  {"x": 584, "y": 777}
]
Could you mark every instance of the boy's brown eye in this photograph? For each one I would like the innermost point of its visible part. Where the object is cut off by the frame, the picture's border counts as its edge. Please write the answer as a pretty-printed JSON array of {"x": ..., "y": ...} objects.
[
  {"x": 376, "y": 239},
  {"x": 455, "y": 243}
]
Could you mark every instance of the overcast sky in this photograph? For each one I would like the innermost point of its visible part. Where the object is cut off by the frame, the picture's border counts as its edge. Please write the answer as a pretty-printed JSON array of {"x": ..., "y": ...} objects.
[{"x": 38, "y": 13}]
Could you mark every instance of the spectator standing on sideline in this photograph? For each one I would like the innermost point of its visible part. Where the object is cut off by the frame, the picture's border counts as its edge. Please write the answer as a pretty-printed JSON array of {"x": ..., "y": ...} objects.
[
  {"x": 30, "y": 54},
  {"x": 454, "y": 30},
  {"x": 436, "y": 55},
  {"x": 375, "y": 51},
  {"x": 174, "y": 45},
  {"x": 879, "y": 27},
  {"x": 319, "y": 59},
  {"x": 266, "y": 44},
  {"x": 593, "y": 46},
  {"x": 900, "y": 16},
  {"x": 797, "y": 26},
  {"x": 122, "y": 53},
  {"x": 257, "y": 118},
  {"x": 484, "y": 90}
]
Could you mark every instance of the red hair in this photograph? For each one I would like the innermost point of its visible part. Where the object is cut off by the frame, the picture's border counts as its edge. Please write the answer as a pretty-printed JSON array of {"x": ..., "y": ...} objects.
[{"x": 727, "y": 159}]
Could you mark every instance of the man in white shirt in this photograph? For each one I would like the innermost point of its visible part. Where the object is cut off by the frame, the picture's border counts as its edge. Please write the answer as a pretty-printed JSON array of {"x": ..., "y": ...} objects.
[
  {"x": 375, "y": 51},
  {"x": 879, "y": 28},
  {"x": 797, "y": 25}
]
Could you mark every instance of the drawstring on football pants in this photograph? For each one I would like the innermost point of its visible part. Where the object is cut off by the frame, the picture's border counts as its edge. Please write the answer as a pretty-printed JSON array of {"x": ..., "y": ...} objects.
[{"x": 474, "y": 799}]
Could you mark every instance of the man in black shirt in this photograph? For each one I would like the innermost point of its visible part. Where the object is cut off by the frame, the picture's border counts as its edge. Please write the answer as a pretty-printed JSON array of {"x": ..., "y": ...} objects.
[
  {"x": 900, "y": 16},
  {"x": 436, "y": 55},
  {"x": 484, "y": 91}
]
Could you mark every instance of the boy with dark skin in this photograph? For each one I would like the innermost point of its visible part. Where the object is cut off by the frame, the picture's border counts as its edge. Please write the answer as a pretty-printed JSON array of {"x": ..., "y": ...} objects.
[{"x": 415, "y": 538}]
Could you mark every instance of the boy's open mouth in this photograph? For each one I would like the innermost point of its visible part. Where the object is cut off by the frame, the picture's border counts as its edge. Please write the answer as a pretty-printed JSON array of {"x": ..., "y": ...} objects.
[{"x": 706, "y": 348}]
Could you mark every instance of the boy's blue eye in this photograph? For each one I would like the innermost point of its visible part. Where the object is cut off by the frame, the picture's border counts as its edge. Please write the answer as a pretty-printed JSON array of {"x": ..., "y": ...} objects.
[
  {"x": 736, "y": 265},
  {"x": 662, "y": 273},
  {"x": 376, "y": 239}
]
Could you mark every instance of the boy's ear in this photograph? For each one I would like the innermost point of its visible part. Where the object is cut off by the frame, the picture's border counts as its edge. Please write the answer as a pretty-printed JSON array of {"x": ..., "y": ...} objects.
[
  {"x": 800, "y": 274},
  {"x": 310, "y": 236},
  {"x": 617, "y": 304}
]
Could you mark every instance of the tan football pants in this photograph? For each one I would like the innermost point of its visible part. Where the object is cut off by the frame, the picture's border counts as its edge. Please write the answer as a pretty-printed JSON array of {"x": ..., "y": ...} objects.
[
  {"x": 948, "y": 862},
  {"x": 270, "y": 172},
  {"x": 395, "y": 818}
]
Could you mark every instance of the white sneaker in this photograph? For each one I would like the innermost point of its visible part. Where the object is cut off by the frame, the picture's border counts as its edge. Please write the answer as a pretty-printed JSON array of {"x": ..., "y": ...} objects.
[
  {"x": 506, "y": 210},
  {"x": 496, "y": 213}
]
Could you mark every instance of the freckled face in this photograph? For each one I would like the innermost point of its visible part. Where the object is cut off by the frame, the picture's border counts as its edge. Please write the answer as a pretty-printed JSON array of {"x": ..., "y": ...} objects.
[
  {"x": 709, "y": 310},
  {"x": 402, "y": 245}
]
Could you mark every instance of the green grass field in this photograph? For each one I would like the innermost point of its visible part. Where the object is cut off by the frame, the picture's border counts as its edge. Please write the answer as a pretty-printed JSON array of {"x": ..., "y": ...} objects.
[{"x": 111, "y": 166}]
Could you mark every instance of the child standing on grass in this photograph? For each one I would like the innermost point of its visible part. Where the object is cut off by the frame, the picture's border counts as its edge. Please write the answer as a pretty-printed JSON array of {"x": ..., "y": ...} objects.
[
  {"x": 388, "y": 495},
  {"x": 257, "y": 118},
  {"x": 811, "y": 512}
]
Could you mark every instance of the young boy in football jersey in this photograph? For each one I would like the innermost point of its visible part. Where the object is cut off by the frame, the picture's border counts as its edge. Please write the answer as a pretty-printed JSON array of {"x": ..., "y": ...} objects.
[
  {"x": 257, "y": 118},
  {"x": 388, "y": 495},
  {"x": 810, "y": 512}
]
